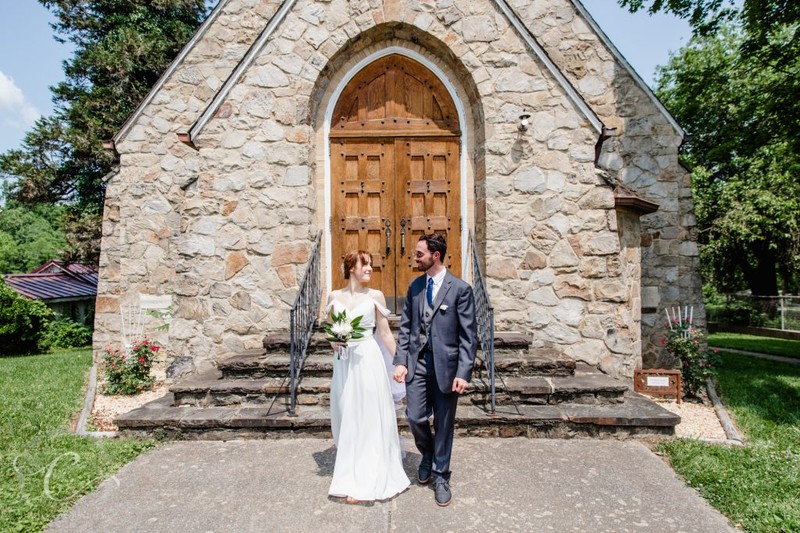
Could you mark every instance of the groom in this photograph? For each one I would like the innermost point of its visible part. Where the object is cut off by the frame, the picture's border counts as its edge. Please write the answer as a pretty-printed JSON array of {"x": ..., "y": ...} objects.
[{"x": 435, "y": 353}]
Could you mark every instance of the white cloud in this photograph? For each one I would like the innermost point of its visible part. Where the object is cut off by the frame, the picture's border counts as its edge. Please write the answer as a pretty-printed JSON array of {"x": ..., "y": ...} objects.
[{"x": 15, "y": 110}]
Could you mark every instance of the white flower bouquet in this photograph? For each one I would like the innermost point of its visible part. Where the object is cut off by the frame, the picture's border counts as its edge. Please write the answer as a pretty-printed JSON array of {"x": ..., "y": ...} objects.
[{"x": 343, "y": 329}]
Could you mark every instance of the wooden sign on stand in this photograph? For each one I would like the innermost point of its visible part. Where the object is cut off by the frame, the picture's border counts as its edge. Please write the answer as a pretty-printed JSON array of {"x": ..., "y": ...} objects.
[{"x": 658, "y": 382}]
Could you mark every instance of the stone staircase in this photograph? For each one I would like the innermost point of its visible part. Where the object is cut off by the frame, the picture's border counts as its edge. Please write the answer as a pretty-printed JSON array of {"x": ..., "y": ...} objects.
[{"x": 539, "y": 393}]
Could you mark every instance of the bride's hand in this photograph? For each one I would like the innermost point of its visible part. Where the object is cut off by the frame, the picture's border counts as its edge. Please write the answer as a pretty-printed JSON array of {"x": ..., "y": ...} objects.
[
  {"x": 338, "y": 345},
  {"x": 399, "y": 374}
]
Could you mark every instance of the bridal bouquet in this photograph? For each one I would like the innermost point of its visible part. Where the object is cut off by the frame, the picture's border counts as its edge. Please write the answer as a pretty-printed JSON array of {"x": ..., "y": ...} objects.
[{"x": 343, "y": 329}]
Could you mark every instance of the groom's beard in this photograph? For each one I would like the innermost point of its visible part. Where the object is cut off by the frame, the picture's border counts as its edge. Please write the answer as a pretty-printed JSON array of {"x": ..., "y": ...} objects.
[{"x": 423, "y": 266}]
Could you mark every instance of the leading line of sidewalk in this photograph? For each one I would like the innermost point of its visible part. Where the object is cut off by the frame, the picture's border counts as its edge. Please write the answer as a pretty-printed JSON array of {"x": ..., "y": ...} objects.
[
  {"x": 780, "y": 358},
  {"x": 498, "y": 485}
]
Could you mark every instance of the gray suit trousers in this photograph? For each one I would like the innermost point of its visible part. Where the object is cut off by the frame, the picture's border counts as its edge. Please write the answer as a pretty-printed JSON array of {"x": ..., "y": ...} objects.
[{"x": 423, "y": 398}]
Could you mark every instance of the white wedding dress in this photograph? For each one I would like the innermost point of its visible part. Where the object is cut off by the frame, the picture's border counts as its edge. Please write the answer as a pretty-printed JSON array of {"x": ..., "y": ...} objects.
[{"x": 369, "y": 464}]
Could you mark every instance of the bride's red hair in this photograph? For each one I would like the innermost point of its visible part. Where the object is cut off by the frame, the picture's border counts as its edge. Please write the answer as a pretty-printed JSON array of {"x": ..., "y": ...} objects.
[{"x": 351, "y": 260}]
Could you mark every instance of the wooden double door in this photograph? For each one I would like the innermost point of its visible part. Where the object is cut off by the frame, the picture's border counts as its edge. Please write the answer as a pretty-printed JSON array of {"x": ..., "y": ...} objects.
[
  {"x": 395, "y": 171},
  {"x": 387, "y": 192}
]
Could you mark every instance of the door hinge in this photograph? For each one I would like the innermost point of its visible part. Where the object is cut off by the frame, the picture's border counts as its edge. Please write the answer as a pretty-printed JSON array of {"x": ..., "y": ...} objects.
[{"x": 330, "y": 224}]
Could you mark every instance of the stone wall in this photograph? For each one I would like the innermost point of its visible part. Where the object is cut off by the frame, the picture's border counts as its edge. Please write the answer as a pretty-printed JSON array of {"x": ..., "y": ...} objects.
[
  {"x": 155, "y": 199},
  {"x": 224, "y": 229},
  {"x": 643, "y": 154}
]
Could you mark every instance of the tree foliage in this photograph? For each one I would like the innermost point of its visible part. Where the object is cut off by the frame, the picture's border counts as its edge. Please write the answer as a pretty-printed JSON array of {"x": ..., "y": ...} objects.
[
  {"x": 22, "y": 322},
  {"x": 121, "y": 49},
  {"x": 745, "y": 160},
  {"x": 770, "y": 36},
  {"x": 29, "y": 237}
]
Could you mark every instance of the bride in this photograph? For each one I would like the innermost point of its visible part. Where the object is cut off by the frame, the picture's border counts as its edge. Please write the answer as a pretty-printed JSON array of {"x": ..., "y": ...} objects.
[{"x": 368, "y": 457}]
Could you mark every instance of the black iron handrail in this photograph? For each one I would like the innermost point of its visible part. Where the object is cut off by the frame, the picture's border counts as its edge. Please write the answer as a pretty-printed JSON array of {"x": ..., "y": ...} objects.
[
  {"x": 484, "y": 316},
  {"x": 302, "y": 319}
]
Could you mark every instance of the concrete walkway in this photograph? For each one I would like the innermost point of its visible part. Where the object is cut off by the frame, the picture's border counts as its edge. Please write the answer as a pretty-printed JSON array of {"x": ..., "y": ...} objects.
[{"x": 498, "y": 485}]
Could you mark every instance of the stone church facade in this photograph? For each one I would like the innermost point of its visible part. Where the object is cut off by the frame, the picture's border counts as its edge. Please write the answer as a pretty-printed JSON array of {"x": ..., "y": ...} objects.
[{"x": 373, "y": 121}]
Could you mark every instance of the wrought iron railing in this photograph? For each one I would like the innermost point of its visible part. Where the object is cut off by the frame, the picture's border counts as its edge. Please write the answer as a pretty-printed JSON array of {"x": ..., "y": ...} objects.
[
  {"x": 303, "y": 319},
  {"x": 484, "y": 316}
]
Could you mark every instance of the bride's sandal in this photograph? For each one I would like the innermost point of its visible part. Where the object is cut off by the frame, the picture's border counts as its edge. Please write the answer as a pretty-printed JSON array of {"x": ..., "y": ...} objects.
[{"x": 351, "y": 501}]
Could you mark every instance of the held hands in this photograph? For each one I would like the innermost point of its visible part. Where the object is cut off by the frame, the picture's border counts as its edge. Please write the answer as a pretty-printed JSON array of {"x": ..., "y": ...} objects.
[
  {"x": 399, "y": 374},
  {"x": 459, "y": 385}
]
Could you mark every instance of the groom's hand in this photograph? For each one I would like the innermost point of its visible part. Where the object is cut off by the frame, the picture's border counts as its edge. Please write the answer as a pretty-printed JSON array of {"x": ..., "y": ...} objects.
[
  {"x": 399, "y": 374},
  {"x": 459, "y": 385}
]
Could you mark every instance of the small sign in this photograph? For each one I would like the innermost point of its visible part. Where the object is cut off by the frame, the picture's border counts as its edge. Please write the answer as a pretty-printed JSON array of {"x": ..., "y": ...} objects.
[{"x": 658, "y": 382}]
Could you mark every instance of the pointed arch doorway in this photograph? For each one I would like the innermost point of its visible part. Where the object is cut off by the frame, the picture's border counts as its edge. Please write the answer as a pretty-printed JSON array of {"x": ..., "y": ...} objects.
[{"x": 395, "y": 171}]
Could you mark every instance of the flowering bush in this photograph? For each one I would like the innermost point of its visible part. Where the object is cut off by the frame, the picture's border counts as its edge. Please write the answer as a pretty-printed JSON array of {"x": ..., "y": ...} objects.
[
  {"x": 129, "y": 372},
  {"x": 687, "y": 344}
]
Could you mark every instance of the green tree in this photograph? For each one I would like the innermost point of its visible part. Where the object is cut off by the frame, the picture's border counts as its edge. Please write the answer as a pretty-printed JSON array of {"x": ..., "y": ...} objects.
[
  {"x": 770, "y": 37},
  {"x": 29, "y": 237},
  {"x": 760, "y": 17},
  {"x": 121, "y": 49},
  {"x": 745, "y": 168},
  {"x": 22, "y": 322}
]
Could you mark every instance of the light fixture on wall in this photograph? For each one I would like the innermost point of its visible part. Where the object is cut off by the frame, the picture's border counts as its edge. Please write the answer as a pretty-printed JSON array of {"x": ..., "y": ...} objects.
[{"x": 523, "y": 122}]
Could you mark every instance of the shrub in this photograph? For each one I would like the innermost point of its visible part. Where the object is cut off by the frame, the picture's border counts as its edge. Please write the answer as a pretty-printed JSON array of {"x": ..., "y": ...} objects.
[
  {"x": 687, "y": 344},
  {"x": 128, "y": 372},
  {"x": 65, "y": 333},
  {"x": 735, "y": 313},
  {"x": 22, "y": 322}
]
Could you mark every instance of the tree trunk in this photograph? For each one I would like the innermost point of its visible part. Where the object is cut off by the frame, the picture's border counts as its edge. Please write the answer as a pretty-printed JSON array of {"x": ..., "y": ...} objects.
[{"x": 761, "y": 277}]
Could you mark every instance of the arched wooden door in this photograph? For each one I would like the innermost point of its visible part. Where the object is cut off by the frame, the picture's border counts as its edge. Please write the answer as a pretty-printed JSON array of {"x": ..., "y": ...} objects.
[{"x": 394, "y": 171}]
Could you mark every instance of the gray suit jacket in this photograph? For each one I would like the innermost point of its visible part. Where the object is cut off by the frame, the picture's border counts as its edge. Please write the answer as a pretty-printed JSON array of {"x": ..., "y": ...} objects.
[{"x": 453, "y": 331}]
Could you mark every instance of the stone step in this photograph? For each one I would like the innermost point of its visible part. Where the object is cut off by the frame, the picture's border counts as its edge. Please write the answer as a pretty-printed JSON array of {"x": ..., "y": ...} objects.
[
  {"x": 281, "y": 341},
  {"x": 587, "y": 386},
  {"x": 207, "y": 391},
  {"x": 320, "y": 363},
  {"x": 273, "y": 364},
  {"x": 531, "y": 362},
  {"x": 636, "y": 416}
]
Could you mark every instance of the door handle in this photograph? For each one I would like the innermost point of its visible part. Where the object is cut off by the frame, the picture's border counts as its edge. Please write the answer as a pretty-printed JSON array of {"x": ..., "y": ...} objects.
[
  {"x": 403, "y": 238},
  {"x": 388, "y": 232}
]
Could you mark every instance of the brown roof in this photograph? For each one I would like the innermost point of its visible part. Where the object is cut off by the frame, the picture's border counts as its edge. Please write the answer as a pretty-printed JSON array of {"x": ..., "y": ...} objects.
[{"x": 56, "y": 280}]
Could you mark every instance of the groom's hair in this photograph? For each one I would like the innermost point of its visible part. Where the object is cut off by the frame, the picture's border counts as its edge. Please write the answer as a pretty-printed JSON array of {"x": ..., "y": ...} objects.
[
  {"x": 436, "y": 242},
  {"x": 351, "y": 259}
]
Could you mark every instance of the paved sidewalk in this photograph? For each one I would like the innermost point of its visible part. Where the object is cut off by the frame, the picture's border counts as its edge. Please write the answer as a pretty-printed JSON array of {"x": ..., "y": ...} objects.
[
  {"x": 498, "y": 485},
  {"x": 780, "y": 358}
]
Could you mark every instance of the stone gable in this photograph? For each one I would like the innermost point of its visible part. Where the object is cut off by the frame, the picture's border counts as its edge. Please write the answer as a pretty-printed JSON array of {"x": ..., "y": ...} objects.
[{"x": 224, "y": 227}]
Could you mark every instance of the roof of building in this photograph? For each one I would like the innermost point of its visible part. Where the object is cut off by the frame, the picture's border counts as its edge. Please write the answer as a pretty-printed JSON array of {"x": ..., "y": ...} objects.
[
  {"x": 256, "y": 47},
  {"x": 56, "y": 280}
]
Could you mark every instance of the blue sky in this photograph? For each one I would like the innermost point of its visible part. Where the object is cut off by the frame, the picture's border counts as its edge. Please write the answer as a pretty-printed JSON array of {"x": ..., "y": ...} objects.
[{"x": 31, "y": 60}]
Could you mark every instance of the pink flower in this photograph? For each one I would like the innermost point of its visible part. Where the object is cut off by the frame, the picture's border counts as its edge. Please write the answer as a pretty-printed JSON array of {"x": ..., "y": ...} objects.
[{"x": 141, "y": 360}]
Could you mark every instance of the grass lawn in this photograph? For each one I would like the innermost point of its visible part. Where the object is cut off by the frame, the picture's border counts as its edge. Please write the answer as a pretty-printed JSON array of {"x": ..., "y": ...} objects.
[
  {"x": 756, "y": 486},
  {"x": 751, "y": 343},
  {"x": 44, "y": 468}
]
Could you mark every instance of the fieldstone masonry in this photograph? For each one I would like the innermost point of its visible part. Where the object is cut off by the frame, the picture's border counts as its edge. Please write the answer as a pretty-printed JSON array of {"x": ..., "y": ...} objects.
[{"x": 223, "y": 227}]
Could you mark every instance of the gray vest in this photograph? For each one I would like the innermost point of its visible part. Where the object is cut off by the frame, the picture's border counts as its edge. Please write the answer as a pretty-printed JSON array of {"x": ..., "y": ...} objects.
[{"x": 425, "y": 324}]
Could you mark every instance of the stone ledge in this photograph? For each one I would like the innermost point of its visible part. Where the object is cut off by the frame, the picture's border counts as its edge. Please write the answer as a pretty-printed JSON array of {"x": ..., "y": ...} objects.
[{"x": 636, "y": 417}]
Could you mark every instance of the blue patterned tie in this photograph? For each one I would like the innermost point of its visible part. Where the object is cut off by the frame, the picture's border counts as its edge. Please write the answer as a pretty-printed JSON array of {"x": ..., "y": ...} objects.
[{"x": 429, "y": 292}]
